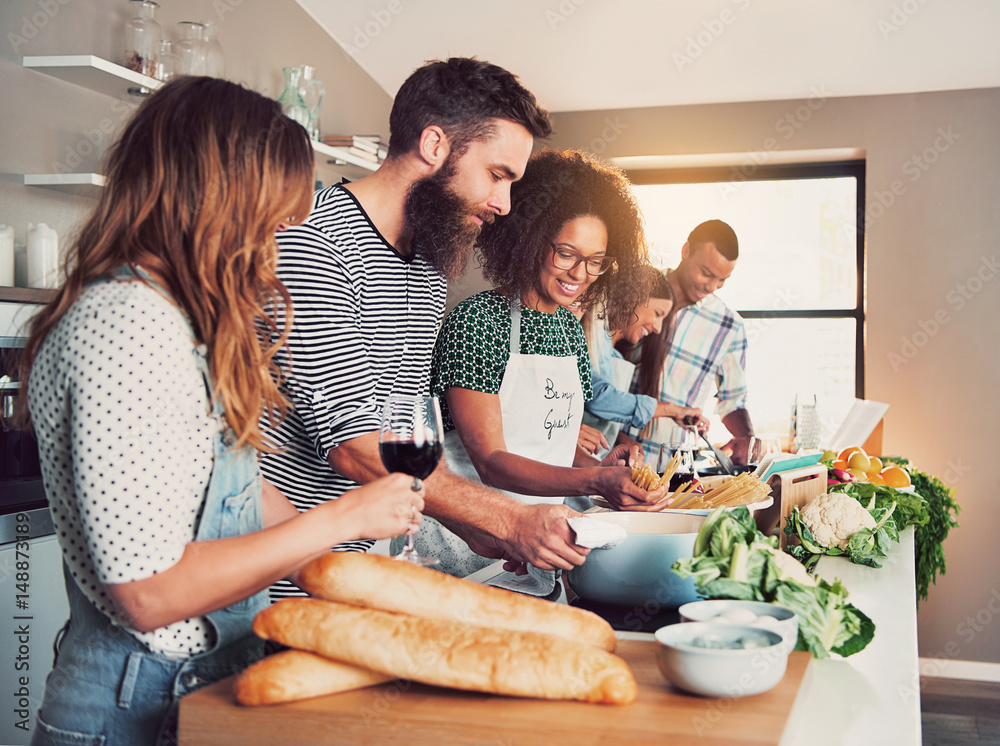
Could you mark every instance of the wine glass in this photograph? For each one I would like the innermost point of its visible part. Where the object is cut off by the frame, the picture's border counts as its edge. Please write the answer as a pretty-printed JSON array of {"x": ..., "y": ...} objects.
[
  {"x": 685, "y": 471},
  {"x": 411, "y": 441}
]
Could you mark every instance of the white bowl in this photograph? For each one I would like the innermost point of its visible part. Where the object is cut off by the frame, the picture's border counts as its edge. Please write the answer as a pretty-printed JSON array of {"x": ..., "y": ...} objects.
[
  {"x": 715, "y": 672},
  {"x": 777, "y": 618}
]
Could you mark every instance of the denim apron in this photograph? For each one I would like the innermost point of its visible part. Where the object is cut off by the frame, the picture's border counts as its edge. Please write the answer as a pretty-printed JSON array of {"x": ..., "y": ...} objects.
[{"x": 108, "y": 688}]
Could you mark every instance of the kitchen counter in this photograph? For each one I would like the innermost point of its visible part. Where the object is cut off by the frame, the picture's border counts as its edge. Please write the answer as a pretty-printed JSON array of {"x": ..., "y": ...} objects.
[{"x": 870, "y": 698}]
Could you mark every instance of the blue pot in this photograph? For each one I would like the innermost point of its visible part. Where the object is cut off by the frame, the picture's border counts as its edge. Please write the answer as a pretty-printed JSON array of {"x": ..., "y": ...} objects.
[{"x": 637, "y": 572}]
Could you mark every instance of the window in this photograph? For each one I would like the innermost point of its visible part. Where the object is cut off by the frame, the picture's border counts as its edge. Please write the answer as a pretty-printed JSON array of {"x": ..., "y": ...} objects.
[{"x": 798, "y": 281}]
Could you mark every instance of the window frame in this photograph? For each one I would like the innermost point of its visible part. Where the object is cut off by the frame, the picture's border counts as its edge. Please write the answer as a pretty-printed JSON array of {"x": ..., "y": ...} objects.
[{"x": 780, "y": 172}]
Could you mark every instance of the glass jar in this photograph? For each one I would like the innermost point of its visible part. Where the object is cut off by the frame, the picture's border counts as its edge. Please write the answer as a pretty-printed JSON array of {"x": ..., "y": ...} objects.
[
  {"x": 142, "y": 38},
  {"x": 313, "y": 93},
  {"x": 191, "y": 49},
  {"x": 215, "y": 62},
  {"x": 292, "y": 104},
  {"x": 168, "y": 63}
]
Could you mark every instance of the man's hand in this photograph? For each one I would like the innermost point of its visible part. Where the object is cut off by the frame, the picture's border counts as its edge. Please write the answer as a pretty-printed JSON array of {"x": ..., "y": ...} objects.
[
  {"x": 539, "y": 535},
  {"x": 742, "y": 452}
]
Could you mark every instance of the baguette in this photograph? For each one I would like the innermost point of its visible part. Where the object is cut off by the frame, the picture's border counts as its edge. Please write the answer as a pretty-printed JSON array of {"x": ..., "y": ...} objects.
[
  {"x": 449, "y": 653},
  {"x": 380, "y": 582},
  {"x": 292, "y": 675}
]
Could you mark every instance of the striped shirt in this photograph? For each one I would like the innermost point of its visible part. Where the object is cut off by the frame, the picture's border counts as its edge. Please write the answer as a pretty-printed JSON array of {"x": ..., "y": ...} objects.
[
  {"x": 365, "y": 320},
  {"x": 708, "y": 348}
]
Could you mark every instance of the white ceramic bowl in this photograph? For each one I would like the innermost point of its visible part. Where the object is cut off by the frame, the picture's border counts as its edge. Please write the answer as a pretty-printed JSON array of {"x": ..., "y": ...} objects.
[
  {"x": 777, "y": 618},
  {"x": 714, "y": 672}
]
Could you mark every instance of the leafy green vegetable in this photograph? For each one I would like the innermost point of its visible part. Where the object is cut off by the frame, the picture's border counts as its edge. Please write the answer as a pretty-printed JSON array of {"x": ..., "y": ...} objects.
[
  {"x": 929, "y": 536},
  {"x": 911, "y": 507},
  {"x": 740, "y": 562},
  {"x": 826, "y": 621},
  {"x": 866, "y": 545}
]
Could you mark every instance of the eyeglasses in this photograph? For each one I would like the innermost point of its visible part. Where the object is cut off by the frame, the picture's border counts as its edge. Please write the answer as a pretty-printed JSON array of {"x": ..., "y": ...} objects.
[{"x": 567, "y": 260}]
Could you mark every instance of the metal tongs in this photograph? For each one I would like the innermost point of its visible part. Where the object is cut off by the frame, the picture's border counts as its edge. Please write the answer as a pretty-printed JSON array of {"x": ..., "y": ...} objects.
[{"x": 724, "y": 461}]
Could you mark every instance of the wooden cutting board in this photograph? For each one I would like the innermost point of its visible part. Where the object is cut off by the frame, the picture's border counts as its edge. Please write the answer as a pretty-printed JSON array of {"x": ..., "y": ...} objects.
[{"x": 403, "y": 712}]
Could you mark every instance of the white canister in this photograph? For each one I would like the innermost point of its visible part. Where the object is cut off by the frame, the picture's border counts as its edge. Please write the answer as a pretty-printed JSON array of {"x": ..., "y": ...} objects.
[
  {"x": 7, "y": 255},
  {"x": 43, "y": 256}
]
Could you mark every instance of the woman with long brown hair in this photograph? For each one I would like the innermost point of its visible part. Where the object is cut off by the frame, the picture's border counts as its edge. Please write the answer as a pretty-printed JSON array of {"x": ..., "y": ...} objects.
[
  {"x": 145, "y": 379},
  {"x": 616, "y": 354}
]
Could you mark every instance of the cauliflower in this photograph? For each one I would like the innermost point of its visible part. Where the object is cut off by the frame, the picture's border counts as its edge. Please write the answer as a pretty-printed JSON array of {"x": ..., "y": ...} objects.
[
  {"x": 789, "y": 567},
  {"x": 834, "y": 518}
]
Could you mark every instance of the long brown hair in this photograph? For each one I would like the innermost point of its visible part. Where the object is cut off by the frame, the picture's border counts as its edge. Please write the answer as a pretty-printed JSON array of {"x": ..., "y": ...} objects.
[
  {"x": 650, "y": 354},
  {"x": 196, "y": 185}
]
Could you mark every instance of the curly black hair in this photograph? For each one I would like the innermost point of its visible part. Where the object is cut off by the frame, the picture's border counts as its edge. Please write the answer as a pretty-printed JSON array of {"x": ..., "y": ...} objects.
[{"x": 557, "y": 187}]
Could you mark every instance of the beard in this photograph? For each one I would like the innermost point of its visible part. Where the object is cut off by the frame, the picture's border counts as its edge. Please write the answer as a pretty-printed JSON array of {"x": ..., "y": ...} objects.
[{"x": 440, "y": 225}]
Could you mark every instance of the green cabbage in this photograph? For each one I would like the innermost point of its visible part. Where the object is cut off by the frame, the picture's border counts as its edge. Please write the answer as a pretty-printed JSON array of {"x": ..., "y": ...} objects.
[{"x": 738, "y": 561}]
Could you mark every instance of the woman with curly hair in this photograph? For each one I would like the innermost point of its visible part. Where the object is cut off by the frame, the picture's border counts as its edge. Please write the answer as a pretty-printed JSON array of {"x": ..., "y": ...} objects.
[
  {"x": 511, "y": 364},
  {"x": 645, "y": 341},
  {"x": 146, "y": 376}
]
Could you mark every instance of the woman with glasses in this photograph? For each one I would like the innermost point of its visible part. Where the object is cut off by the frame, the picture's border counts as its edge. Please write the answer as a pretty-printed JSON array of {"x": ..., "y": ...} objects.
[{"x": 511, "y": 364}]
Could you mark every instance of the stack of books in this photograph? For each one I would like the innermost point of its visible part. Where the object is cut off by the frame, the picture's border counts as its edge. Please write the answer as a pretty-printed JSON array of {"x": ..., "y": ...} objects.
[{"x": 370, "y": 147}]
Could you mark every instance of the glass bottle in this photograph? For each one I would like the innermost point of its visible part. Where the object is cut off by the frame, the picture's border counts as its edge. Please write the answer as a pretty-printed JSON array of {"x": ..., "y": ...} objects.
[
  {"x": 215, "y": 62},
  {"x": 191, "y": 51},
  {"x": 313, "y": 93},
  {"x": 291, "y": 98},
  {"x": 142, "y": 38},
  {"x": 167, "y": 66}
]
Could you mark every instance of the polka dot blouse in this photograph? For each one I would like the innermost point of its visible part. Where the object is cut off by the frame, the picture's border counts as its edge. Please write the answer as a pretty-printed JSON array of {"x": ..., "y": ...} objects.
[
  {"x": 125, "y": 437},
  {"x": 473, "y": 347}
]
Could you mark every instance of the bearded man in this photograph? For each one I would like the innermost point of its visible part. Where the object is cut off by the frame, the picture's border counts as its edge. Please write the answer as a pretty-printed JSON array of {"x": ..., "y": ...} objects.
[{"x": 368, "y": 272}]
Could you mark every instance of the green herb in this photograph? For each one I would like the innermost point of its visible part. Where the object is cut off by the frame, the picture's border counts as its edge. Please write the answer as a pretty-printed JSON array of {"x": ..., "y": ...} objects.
[
  {"x": 738, "y": 561},
  {"x": 929, "y": 537}
]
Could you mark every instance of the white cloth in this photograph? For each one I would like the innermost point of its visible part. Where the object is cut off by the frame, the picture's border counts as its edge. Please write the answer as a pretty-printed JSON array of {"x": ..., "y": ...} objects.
[{"x": 594, "y": 533}]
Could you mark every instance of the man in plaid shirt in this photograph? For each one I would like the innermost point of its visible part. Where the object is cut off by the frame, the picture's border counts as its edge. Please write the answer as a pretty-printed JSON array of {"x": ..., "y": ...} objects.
[{"x": 709, "y": 342}]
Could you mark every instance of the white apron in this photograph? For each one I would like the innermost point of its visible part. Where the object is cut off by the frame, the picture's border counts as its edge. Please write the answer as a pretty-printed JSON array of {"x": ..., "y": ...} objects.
[
  {"x": 541, "y": 404},
  {"x": 621, "y": 378}
]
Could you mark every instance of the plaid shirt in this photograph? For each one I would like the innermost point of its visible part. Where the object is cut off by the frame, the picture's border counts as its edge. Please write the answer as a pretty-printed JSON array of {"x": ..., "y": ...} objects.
[{"x": 709, "y": 347}]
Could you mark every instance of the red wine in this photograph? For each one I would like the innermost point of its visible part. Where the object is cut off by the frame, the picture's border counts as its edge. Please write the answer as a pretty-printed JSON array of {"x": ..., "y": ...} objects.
[{"x": 409, "y": 458}]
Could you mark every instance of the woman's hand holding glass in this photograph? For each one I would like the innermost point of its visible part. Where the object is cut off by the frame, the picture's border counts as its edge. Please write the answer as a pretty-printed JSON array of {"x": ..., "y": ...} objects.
[
  {"x": 384, "y": 508},
  {"x": 411, "y": 440}
]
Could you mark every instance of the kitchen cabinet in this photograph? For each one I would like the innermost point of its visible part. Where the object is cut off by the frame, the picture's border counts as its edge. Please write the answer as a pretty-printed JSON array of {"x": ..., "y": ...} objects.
[{"x": 33, "y": 596}]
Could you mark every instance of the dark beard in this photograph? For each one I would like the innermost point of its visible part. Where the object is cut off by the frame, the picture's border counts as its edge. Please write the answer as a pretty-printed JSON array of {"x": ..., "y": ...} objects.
[{"x": 438, "y": 222}]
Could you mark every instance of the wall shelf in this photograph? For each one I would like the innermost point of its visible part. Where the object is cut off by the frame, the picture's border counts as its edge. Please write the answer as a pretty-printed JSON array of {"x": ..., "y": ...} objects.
[
  {"x": 26, "y": 295},
  {"x": 338, "y": 154},
  {"x": 93, "y": 73},
  {"x": 100, "y": 75},
  {"x": 88, "y": 185}
]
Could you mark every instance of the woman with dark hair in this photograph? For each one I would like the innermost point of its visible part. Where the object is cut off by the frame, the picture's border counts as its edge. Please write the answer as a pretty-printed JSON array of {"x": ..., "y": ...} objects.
[
  {"x": 511, "y": 364},
  {"x": 645, "y": 340},
  {"x": 145, "y": 378}
]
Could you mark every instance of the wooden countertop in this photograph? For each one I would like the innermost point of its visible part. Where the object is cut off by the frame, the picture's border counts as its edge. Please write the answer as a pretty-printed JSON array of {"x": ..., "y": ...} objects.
[{"x": 408, "y": 713}]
